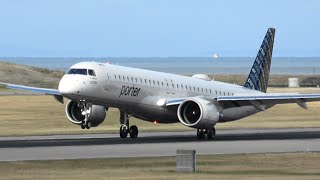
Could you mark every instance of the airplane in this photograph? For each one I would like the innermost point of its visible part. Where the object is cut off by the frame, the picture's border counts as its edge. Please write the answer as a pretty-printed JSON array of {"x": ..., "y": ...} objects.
[{"x": 197, "y": 102}]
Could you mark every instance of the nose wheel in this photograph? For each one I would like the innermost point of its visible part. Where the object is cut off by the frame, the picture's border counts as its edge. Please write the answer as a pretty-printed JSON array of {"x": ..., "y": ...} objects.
[
  {"x": 210, "y": 133},
  {"x": 125, "y": 129},
  {"x": 86, "y": 125}
]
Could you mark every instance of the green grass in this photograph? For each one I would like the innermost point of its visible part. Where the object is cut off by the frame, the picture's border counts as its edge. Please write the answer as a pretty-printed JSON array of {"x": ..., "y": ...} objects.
[
  {"x": 239, "y": 166},
  {"x": 27, "y": 75},
  {"x": 42, "y": 115}
]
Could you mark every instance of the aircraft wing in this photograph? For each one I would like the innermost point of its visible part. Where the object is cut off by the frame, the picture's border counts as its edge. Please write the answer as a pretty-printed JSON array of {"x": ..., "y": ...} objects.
[
  {"x": 259, "y": 101},
  {"x": 33, "y": 89},
  {"x": 56, "y": 94},
  {"x": 268, "y": 99}
]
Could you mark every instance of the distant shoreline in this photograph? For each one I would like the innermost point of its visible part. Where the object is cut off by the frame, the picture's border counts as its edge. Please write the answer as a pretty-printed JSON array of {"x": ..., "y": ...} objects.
[{"x": 183, "y": 65}]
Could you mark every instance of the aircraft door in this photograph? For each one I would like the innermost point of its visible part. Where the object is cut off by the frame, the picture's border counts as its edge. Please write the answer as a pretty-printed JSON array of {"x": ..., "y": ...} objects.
[
  {"x": 107, "y": 82},
  {"x": 166, "y": 83},
  {"x": 106, "y": 79},
  {"x": 170, "y": 86}
]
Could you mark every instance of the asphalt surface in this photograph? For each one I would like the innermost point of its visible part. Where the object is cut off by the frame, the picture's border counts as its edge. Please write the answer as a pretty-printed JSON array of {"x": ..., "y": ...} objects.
[{"x": 158, "y": 144}]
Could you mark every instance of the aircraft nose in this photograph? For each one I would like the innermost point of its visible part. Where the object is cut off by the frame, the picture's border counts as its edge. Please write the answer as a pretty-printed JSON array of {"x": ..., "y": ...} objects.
[{"x": 67, "y": 86}]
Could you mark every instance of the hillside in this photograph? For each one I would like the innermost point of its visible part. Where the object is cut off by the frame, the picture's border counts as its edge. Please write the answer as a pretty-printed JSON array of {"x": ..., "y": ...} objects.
[{"x": 27, "y": 75}]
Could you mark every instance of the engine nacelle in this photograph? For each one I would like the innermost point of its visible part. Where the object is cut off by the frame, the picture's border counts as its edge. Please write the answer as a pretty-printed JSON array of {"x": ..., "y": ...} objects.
[
  {"x": 198, "y": 113},
  {"x": 75, "y": 114}
]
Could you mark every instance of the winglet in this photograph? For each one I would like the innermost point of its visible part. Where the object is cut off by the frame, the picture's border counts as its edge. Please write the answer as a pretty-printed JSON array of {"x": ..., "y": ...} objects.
[{"x": 259, "y": 74}]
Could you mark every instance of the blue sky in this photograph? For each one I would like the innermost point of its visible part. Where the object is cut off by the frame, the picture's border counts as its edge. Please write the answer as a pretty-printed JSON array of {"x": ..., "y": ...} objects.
[{"x": 157, "y": 28}]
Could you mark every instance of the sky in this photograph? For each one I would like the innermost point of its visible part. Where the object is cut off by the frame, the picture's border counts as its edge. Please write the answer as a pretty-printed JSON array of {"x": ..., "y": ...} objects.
[{"x": 157, "y": 28}]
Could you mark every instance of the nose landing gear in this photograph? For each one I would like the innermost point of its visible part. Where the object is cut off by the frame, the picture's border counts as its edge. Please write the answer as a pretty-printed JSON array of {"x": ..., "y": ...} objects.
[
  {"x": 125, "y": 129},
  {"x": 85, "y": 111}
]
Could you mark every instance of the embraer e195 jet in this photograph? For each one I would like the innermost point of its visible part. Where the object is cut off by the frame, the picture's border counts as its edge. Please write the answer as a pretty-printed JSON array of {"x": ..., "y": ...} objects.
[{"x": 196, "y": 101}]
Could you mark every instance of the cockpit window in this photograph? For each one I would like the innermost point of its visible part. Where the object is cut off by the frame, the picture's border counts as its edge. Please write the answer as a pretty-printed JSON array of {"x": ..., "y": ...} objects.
[
  {"x": 91, "y": 72},
  {"x": 78, "y": 71}
]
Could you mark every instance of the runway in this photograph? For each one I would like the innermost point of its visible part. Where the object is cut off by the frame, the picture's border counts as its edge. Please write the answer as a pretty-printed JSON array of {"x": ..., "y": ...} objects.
[{"x": 158, "y": 144}]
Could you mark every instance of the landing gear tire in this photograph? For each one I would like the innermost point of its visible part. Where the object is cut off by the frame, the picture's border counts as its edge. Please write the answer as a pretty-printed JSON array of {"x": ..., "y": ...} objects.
[
  {"x": 133, "y": 131},
  {"x": 85, "y": 126},
  {"x": 211, "y": 133},
  {"x": 200, "y": 134},
  {"x": 88, "y": 125},
  {"x": 123, "y": 131}
]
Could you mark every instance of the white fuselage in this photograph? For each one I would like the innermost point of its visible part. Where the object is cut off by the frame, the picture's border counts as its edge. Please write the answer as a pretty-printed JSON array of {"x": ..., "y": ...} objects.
[{"x": 138, "y": 92}]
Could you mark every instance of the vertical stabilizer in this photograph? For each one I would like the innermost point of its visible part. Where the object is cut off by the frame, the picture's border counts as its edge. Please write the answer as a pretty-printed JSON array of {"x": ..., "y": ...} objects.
[{"x": 259, "y": 73}]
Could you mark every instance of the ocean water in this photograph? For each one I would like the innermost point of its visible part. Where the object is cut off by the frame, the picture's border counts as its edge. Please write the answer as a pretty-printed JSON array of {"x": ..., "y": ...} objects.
[{"x": 188, "y": 65}]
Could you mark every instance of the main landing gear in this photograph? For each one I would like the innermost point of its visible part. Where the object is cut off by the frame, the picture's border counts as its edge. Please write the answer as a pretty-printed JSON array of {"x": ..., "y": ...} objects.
[
  {"x": 125, "y": 129},
  {"x": 211, "y": 133}
]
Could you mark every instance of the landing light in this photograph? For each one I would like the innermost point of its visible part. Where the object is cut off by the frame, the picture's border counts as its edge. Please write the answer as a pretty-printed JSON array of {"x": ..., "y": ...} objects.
[
  {"x": 161, "y": 102},
  {"x": 155, "y": 122}
]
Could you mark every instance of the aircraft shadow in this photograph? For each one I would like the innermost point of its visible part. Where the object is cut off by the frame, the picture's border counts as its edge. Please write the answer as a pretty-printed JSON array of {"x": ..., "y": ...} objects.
[{"x": 160, "y": 139}]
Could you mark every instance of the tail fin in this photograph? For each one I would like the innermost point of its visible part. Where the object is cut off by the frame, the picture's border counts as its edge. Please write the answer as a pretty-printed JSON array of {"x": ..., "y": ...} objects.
[{"x": 259, "y": 74}]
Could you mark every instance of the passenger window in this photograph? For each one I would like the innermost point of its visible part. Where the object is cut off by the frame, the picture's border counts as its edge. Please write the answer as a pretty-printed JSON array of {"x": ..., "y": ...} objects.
[{"x": 91, "y": 72}]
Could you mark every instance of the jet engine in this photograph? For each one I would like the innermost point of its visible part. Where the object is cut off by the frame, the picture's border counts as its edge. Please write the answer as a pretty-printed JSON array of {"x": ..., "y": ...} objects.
[
  {"x": 198, "y": 113},
  {"x": 75, "y": 112}
]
